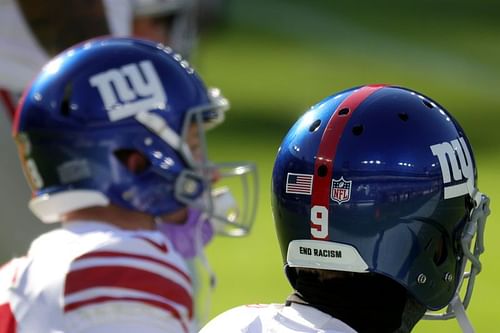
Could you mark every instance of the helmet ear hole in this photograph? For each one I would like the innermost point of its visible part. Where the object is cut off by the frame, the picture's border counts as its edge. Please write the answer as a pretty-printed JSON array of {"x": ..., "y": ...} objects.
[
  {"x": 440, "y": 252},
  {"x": 133, "y": 160}
]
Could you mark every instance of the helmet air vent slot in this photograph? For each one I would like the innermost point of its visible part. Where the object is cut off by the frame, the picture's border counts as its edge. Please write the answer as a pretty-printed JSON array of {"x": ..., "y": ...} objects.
[
  {"x": 322, "y": 170},
  {"x": 427, "y": 103},
  {"x": 403, "y": 116},
  {"x": 314, "y": 126},
  {"x": 344, "y": 111},
  {"x": 65, "y": 103},
  {"x": 357, "y": 130}
]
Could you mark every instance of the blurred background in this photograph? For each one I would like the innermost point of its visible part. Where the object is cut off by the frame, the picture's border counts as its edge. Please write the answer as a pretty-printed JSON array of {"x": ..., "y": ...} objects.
[{"x": 273, "y": 59}]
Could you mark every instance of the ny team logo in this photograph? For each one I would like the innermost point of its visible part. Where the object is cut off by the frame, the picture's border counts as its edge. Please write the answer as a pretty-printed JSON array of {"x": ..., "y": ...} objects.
[
  {"x": 462, "y": 169},
  {"x": 131, "y": 89},
  {"x": 341, "y": 190}
]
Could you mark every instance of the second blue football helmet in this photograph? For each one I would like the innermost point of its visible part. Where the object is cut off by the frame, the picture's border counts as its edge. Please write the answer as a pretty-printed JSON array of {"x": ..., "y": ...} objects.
[
  {"x": 109, "y": 96},
  {"x": 381, "y": 179}
]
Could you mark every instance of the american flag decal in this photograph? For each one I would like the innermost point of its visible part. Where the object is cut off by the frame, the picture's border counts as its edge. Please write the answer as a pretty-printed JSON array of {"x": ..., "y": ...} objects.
[{"x": 299, "y": 183}]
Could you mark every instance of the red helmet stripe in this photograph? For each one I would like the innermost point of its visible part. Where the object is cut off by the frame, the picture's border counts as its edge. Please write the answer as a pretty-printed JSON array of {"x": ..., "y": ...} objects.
[{"x": 326, "y": 155}]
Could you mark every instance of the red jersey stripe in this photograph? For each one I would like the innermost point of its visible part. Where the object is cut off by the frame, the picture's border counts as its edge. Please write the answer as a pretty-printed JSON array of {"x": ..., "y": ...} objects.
[
  {"x": 128, "y": 278},
  {"x": 160, "y": 246},
  {"x": 10, "y": 105},
  {"x": 327, "y": 149},
  {"x": 7, "y": 320},
  {"x": 115, "y": 254},
  {"x": 98, "y": 300}
]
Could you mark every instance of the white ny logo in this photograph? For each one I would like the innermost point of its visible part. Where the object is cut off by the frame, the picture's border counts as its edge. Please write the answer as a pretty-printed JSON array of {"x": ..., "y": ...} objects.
[
  {"x": 447, "y": 153},
  {"x": 124, "y": 98}
]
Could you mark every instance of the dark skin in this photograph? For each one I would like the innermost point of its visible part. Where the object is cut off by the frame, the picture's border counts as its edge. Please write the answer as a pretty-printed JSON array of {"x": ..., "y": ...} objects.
[{"x": 123, "y": 218}]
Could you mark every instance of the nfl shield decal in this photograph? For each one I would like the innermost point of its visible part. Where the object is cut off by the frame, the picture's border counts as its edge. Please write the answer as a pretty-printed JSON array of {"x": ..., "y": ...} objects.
[{"x": 341, "y": 190}]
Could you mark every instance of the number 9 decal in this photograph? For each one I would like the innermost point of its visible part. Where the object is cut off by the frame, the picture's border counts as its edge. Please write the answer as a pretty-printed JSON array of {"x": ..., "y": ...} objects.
[{"x": 319, "y": 222}]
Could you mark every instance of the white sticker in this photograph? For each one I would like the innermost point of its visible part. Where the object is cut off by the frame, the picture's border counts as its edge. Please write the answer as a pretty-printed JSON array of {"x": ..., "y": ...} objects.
[{"x": 319, "y": 254}]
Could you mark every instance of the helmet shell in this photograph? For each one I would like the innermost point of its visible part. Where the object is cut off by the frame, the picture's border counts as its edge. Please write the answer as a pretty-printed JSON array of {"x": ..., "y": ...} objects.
[
  {"x": 81, "y": 110},
  {"x": 370, "y": 168}
]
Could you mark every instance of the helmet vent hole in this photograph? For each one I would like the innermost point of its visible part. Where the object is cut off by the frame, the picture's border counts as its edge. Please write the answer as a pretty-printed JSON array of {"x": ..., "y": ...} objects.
[
  {"x": 403, "y": 116},
  {"x": 314, "y": 126},
  {"x": 344, "y": 111},
  {"x": 357, "y": 130},
  {"x": 65, "y": 103},
  {"x": 65, "y": 108},
  {"x": 322, "y": 170},
  {"x": 427, "y": 103}
]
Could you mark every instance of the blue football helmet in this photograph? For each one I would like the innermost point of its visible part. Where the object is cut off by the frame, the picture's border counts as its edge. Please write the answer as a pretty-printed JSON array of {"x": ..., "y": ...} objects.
[
  {"x": 382, "y": 179},
  {"x": 109, "y": 96}
]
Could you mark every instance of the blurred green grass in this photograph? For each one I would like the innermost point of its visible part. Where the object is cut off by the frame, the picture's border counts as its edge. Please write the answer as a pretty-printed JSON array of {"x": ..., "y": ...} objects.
[{"x": 275, "y": 59}]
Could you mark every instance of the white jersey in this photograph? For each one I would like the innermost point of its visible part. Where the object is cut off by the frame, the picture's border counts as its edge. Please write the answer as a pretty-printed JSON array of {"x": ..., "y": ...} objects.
[
  {"x": 270, "y": 318},
  {"x": 91, "y": 277}
]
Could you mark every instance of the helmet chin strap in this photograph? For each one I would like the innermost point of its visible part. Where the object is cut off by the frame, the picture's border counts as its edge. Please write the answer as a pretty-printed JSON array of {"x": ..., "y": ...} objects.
[
  {"x": 194, "y": 234},
  {"x": 204, "y": 260},
  {"x": 205, "y": 295},
  {"x": 458, "y": 309}
]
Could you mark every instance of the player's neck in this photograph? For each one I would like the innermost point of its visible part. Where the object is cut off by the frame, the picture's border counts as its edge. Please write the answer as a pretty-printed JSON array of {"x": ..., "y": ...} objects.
[
  {"x": 117, "y": 216},
  {"x": 124, "y": 218}
]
